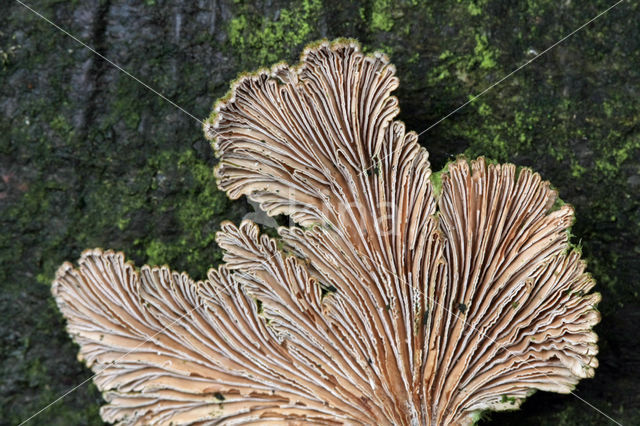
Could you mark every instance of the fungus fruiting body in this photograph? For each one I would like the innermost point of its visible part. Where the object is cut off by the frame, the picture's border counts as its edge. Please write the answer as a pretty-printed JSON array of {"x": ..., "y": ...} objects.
[{"x": 393, "y": 301}]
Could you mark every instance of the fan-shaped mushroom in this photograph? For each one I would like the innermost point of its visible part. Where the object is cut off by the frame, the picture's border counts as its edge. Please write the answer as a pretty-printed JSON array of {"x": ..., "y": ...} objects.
[{"x": 394, "y": 303}]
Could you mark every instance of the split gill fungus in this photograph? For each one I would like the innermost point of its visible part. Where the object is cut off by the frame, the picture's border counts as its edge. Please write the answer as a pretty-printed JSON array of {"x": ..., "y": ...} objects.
[{"x": 400, "y": 297}]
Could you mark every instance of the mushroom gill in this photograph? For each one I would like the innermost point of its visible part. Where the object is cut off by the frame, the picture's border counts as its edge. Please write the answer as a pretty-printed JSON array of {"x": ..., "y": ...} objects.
[{"x": 392, "y": 302}]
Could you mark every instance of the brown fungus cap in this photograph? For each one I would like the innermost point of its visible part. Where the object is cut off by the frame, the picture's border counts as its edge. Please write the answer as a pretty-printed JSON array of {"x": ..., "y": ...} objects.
[{"x": 441, "y": 305}]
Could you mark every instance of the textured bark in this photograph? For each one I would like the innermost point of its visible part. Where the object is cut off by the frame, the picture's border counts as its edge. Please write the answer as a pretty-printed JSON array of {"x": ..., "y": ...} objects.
[{"x": 140, "y": 178}]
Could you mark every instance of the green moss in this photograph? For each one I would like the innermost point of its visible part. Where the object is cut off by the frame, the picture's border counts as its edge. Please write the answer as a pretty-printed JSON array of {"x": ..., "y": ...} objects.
[
  {"x": 61, "y": 126},
  {"x": 557, "y": 204},
  {"x": 381, "y": 19},
  {"x": 127, "y": 104},
  {"x": 195, "y": 214},
  {"x": 474, "y": 9},
  {"x": 506, "y": 398},
  {"x": 436, "y": 181},
  {"x": 485, "y": 56},
  {"x": 480, "y": 416},
  {"x": 261, "y": 40},
  {"x": 158, "y": 252}
]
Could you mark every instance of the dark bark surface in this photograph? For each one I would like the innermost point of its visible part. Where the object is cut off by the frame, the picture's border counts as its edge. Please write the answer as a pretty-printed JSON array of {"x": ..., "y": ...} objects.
[{"x": 89, "y": 157}]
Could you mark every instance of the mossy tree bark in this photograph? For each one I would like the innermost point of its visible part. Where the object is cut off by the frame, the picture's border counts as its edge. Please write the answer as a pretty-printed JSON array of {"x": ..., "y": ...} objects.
[{"x": 89, "y": 157}]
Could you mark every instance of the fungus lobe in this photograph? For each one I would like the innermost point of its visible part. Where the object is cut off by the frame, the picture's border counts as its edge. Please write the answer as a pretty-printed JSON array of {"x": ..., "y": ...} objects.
[{"x": 391, "y": 303}]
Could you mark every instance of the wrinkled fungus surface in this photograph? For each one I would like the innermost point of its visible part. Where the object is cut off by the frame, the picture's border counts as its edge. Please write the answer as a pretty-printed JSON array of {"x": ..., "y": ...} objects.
[{"x": 401, "y": 298}]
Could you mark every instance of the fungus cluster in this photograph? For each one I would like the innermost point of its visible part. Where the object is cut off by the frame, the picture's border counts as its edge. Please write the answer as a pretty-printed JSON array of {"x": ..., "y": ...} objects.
[{"x": 391, "y": 302}]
